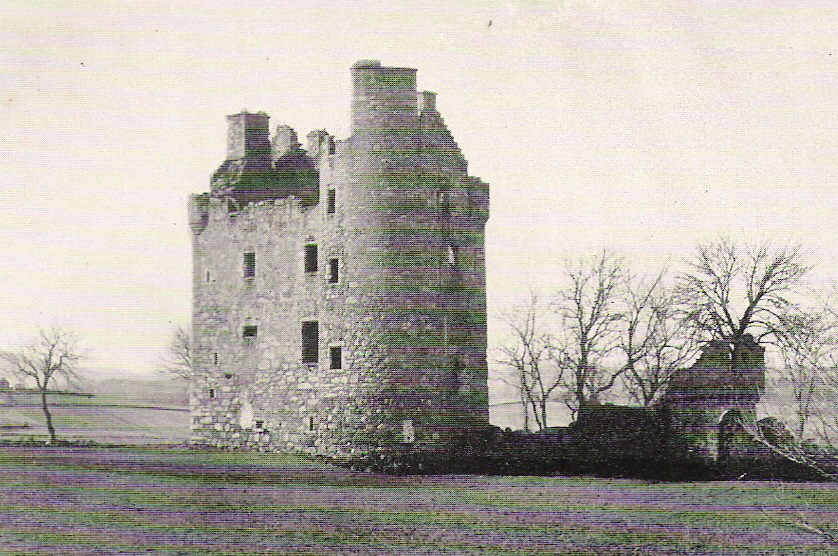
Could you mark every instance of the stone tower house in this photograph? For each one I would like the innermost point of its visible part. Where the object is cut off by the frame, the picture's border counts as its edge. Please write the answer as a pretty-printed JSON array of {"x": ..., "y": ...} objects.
[{"x": 339, "y": 290}]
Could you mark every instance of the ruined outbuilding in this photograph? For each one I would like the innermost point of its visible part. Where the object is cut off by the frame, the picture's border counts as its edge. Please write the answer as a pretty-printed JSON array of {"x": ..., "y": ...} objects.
[
  {"x": 339, "y": 290},
  {"x": 707, "y": 403},
  {"x": 705, "y": 410}
]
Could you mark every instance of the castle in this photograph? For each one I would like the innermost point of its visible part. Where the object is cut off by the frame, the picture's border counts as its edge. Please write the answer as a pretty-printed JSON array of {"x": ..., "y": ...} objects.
[{"x": 339, "y": 298}]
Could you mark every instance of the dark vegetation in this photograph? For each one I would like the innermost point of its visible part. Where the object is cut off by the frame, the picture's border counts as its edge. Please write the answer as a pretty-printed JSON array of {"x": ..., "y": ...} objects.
[{"x": 571, "y": 452}]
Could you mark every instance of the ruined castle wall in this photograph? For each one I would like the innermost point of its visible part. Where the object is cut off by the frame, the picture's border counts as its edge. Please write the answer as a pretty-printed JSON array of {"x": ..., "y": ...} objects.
[{"x": 707, "y": 401}]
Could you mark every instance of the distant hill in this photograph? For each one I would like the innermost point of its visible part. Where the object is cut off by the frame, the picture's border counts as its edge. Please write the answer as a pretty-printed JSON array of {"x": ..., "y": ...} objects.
[{"x": 163, "y": 392}]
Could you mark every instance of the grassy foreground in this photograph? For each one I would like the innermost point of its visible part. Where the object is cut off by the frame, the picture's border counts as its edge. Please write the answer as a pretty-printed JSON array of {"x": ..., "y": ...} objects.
[{"x": 152, "y": 500}]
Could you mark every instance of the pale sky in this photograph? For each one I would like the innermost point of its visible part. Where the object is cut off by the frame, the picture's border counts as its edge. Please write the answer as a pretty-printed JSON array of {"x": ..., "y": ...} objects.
[{"x": 643, "y": 126}]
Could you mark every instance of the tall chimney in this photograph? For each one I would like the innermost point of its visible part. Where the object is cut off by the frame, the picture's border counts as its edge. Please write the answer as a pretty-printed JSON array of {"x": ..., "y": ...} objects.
[{"x": 248, "y": 135}]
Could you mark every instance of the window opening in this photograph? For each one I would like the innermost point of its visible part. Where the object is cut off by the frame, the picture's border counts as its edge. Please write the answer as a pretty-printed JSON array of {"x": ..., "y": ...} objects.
[
  {"x": 208, "y": 276},
  {"x": 311, "y": 257},
  {"x": 215, "y": 358},
  {"x": 443, "y": 202},
  {"x": 408, "y": 432},
  {"x": 335, "y": 357},
  {"x": 260, "y": 424},
  {"x": 334, "y": 271},
  {"x": 456, "y": 374},
  {"x": 311, "y": 423},
  {"x": 249, "y": 265},
  {"x": 331, "y": 201},
  {"x": 249, "y": 333},
  {"x": 228, "y": 375},
  {"x": 310, "y": 341},
  {"x": 212, "y": 393},
  {"x": 452, "y": 255}
]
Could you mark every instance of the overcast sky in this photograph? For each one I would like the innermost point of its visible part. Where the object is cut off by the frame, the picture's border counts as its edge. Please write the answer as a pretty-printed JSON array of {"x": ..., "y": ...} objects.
[{"x": 644, "y": 126}]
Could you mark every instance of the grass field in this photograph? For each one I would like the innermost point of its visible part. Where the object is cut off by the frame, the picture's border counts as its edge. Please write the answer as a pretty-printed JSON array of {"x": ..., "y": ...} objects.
[
  {"x": 144, "y": 500},
  {"x": 119, "y": 412}
]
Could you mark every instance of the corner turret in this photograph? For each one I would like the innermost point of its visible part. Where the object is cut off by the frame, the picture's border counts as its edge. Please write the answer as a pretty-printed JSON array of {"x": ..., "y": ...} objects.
[{"x": 384, "y": 104}]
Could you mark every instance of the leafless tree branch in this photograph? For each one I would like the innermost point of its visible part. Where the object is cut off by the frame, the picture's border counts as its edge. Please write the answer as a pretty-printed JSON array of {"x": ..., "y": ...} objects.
[{"x": 177, "y": 361}]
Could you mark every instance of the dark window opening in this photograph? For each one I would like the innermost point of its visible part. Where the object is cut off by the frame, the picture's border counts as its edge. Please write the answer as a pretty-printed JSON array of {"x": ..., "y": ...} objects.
[
  {"x": 249, "y": 265},
  {"x": 334, "y": 271},
  {"x": 311, "y": 258},
  {"x": 215, "y": 358},
  {"x": 311, "y": 423},
  {"x": 260, "y": 424},
  {"x": 331, "y": 201},
  {"x": 208, "y": 276},
  {"x": 228, "y": 375},
  {"x": 444, "y": 202},
  {"x": 335, "y": 358},
  {"x": 212, "y": 393},
  {"x": 456, "y": 374},
  {"x": 249, "y": 333},
  {"x": 310, "y": 342}
]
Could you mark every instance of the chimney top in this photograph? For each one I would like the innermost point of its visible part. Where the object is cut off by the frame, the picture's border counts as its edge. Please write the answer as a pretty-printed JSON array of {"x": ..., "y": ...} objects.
[{"x": 367, "y": 64}]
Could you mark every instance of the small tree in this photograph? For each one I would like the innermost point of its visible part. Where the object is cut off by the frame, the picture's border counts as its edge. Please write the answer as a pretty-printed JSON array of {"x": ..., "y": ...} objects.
[
  {"x": 530, "y": 355},
  {"x": 589, "y": 311},
  {"x": 51, "y": 356},
  {"x": 177, "y": 360}
]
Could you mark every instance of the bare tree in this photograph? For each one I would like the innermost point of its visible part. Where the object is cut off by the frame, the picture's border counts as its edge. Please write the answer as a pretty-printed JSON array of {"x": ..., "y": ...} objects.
[
  {"x": 589, "y": 312},
  {"x": 177, "y": 360},
  {"x": 53, "y": 355},
  {"x": 733, "y": 290},
  {"x": 807, "y": 349},
  {"x": 825, "y": 418},
  {"x": 655, "y": 341},
  {"x": 530, "y": 355}
]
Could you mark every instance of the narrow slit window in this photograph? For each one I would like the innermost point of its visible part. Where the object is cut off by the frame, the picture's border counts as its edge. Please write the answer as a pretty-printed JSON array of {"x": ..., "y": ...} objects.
[
  {"x": 311, "y": 257},
  {"x": 334, "y": 271},
  {"x": 249, "y": 265},
  {"x": 212, "y": 393},
  {"x": 311, "y": 423},
  {"x": 310, "y": 341},
  {"x": 215, "y": 358},
  {"x": 331, "y": 201},
  {"x": 335, "y": 357}
]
